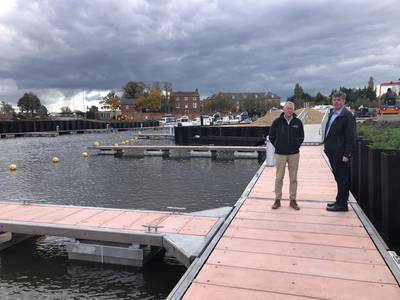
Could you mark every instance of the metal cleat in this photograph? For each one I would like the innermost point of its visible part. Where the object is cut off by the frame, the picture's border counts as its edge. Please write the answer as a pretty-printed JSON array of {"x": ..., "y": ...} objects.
[
  {"x": 152, "y": 226},
  {"x": 176, "y": 210}
]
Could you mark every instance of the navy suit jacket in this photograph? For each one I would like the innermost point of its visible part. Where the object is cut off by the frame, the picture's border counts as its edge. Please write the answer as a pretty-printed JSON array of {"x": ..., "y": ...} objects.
[{"x": 341, "y": 138}]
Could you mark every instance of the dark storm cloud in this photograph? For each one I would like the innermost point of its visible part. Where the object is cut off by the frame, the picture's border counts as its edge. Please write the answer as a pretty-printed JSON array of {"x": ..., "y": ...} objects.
[{"x": 60, "y": 47}]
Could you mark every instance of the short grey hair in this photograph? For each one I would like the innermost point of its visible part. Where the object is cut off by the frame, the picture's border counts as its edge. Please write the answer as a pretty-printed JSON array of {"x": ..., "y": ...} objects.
[
  {"x": 289, "y": 103},
  {"x": 339, "y": 95}
]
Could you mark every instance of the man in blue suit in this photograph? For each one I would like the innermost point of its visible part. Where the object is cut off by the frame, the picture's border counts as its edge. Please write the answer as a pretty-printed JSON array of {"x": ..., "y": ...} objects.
[{"x": 339, "y": 142}]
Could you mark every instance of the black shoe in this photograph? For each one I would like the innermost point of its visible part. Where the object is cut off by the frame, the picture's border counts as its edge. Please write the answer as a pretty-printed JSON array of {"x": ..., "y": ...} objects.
[
  {"x": 277, "y": 204},
  {"x": 337, "y": 208},
  {"x": 330, "y": 204}
]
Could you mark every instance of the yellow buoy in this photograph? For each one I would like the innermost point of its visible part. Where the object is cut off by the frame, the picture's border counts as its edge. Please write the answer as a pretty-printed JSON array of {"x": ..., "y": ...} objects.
[
  {"x": 96, "y": 144},
  {"x": 85, "y": 154},
  {"x": 55, "y": 159},
  {"x": 12, "y": 167}
]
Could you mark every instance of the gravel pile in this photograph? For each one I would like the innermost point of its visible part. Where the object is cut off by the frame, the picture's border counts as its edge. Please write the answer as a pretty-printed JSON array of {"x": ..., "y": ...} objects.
[
  {"x": 313, "y": 117},
  {"x": 267, "y": 119}
]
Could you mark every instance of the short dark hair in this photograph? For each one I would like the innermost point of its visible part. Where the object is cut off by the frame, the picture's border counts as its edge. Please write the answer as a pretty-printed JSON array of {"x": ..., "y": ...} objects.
[{"x": 339, "y": 95}]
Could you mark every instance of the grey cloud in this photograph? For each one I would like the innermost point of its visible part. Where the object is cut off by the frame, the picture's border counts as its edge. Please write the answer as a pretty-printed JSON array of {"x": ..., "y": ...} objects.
[{"x": 69, "y": 46}]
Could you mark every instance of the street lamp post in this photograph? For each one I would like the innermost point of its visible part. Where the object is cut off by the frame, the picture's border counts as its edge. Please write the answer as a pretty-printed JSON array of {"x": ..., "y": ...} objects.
[{"x": 167, "y": 94}]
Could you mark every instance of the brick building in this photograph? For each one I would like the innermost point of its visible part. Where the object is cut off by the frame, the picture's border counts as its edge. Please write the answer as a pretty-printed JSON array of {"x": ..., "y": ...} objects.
[
  {"x": 128, "y": 105},
  {"x": 185, "y": 103}
]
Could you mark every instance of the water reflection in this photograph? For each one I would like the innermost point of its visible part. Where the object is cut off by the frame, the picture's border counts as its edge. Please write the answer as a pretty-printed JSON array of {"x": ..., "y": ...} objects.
[{"x": 40, "y": 269}]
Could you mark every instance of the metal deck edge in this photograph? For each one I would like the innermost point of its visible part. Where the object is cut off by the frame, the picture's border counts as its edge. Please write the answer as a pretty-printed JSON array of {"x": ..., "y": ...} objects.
[
  {"x": 184, "y": 283},
  {"x": 82, "y": 232},
  {"x": 377, "y": 240}
]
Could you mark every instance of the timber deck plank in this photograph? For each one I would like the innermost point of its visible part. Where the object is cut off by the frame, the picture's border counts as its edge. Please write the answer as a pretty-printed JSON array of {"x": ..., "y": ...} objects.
[
  {"x": 81, "y": 218},
  {"x": 288, "y": 254}
]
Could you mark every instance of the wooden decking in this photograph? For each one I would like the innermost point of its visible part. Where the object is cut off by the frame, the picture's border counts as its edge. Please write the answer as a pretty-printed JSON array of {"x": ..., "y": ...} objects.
[
  {"x": 185, "y": 235},
  {"x": 28, "y": 218},
  {"x": 288, "y": 254}
]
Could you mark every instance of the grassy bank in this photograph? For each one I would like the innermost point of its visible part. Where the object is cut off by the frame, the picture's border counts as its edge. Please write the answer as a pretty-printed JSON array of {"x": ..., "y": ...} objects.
[{"x": 381, "y": 137}]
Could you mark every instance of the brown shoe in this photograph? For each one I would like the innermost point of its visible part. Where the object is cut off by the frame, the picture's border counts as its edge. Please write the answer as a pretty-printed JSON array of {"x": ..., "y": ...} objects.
[
  {"x": 293, "y": 204},
  {"x": 277, "y": 204}
]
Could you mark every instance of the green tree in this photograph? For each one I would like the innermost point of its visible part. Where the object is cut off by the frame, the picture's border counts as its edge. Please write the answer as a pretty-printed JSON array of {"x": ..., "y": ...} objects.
[
  {"x": 65, "y": 109},
  {"x": 150, "y": 102},
  {"x": 42, "y": 111},
  {"x": 111, "y": 101},
  {"x": 371, "y": 83},
  {"x": 6, "y": 108},
  {"x": 255, "y": 106},
  {"x": 93, "y": 109},
  {"x": 29, "y": 102},
  {"x": 321, "y": 99},
  {"x": 370, "y": 91},
  {"x": 298, "y": 94},
  {"x": 356, "y": 97},
  {"x": 133, "y": 89},
  {"x": 220, "y": 103}
]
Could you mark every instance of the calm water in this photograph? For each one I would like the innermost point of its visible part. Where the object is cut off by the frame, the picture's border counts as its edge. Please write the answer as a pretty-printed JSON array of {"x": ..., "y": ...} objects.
[{"x": 40, "y": 268}]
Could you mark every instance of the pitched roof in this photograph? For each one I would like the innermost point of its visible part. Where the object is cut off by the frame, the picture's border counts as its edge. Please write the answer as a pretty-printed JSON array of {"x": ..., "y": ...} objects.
[
  {"x": 127, "y": 101},
  {"x": 190, "y": 94}
]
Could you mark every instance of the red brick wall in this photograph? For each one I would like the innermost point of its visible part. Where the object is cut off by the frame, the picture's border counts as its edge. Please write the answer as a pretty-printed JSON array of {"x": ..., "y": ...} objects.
[{"x": 182, "y": 110}]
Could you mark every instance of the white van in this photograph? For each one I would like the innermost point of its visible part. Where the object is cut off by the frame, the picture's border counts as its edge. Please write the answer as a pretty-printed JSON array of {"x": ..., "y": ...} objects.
[
  {"x": 167, "y": 120},
  {"x": 184, "y": 121}
]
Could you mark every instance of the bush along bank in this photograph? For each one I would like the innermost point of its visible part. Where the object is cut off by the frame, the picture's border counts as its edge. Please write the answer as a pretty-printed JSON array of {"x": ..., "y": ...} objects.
[{"x": 380, "y": 137}]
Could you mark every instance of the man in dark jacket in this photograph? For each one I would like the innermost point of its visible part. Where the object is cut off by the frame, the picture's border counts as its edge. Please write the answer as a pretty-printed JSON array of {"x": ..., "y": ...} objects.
[
  {"x": 287, "y": 135},
  {"x": 339, "y": 142},
  {"x": 390, "y": 97}
]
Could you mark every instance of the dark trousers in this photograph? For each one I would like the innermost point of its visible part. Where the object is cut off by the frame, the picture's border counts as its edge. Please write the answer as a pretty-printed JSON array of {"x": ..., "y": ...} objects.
[{"x": 341, "y": 172}]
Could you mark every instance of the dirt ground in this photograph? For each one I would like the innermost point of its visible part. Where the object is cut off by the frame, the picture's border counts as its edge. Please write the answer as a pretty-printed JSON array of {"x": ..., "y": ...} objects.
[
  {"x": 313, "y": 117},
  {"x": 267, "y": 119},
  {"x": 388, "y": 121}
]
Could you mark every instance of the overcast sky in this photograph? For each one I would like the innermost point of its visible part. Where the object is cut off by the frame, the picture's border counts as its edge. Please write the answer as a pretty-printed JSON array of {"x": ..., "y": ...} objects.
[{"x": 59, "y": 48}]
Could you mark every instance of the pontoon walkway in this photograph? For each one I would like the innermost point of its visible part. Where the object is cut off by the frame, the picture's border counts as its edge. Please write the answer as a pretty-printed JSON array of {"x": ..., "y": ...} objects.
[
  {"x": 288, "y": 254},
  {"x": 116, "y": 230}
]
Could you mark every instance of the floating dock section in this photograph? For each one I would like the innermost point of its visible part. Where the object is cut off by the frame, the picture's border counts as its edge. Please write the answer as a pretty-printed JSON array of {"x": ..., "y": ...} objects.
[
  {"x": 218, "y": 152},
  {"x": 260, "y": 253},
  {"x": 117, "y": 236}
]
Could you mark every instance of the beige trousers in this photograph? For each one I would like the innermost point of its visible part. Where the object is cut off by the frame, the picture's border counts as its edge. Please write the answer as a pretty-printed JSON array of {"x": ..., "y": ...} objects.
[{"x": 292, "y": 162}]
